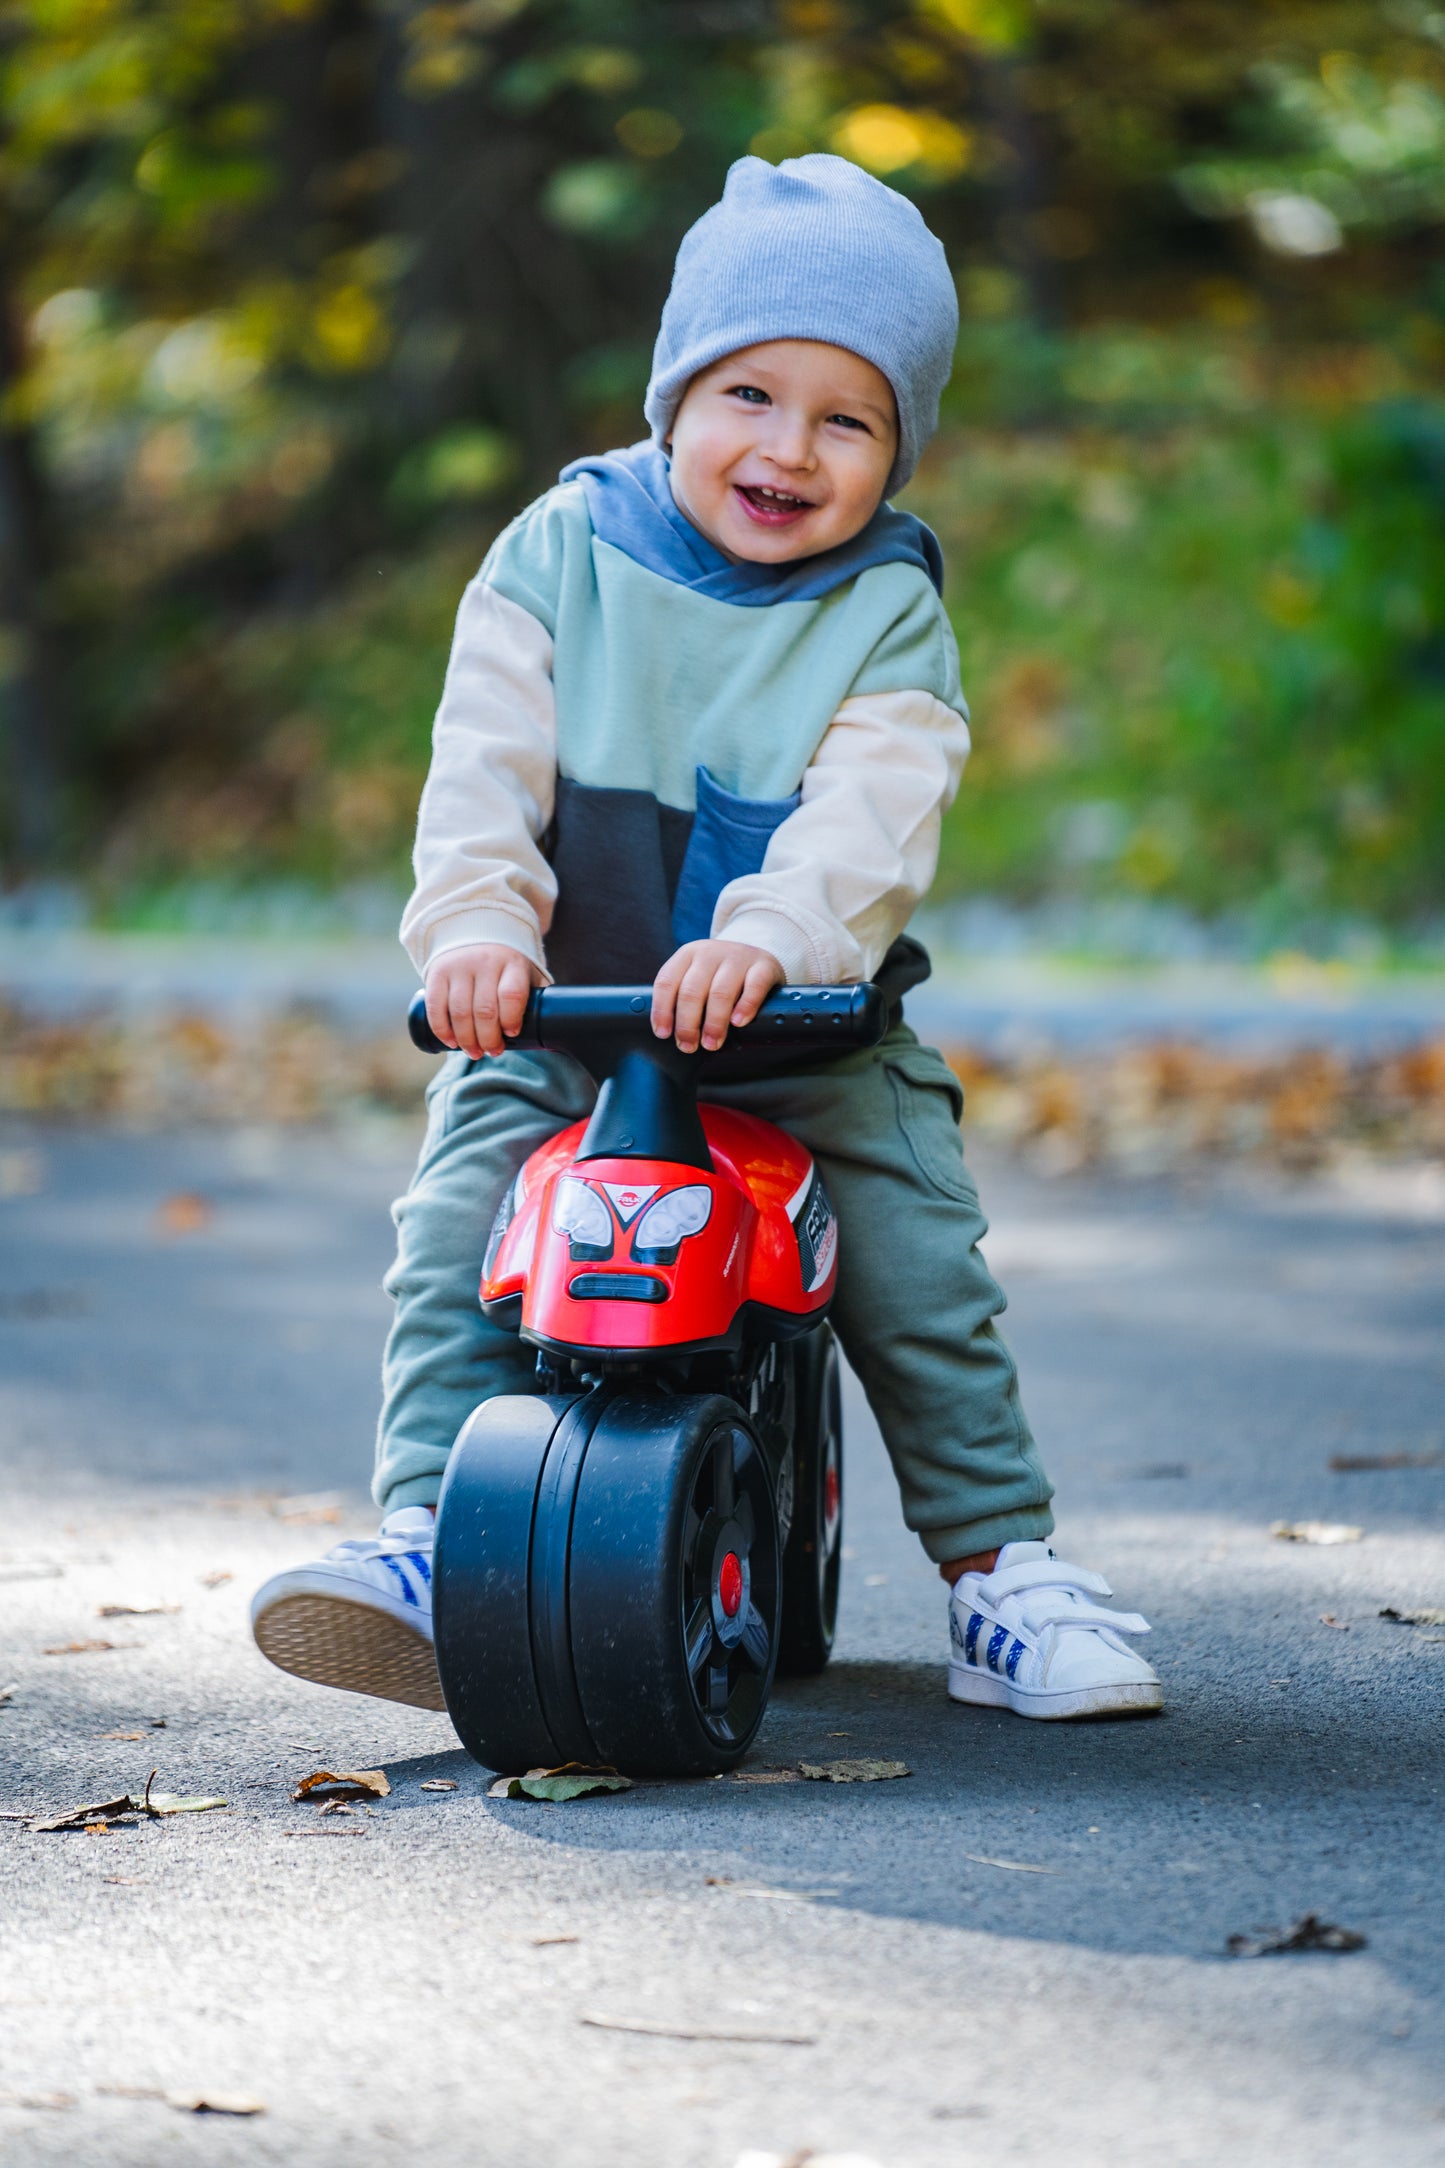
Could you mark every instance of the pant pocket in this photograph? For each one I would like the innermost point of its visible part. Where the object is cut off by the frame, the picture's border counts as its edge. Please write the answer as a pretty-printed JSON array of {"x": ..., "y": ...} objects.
[{"x": 929, "y": 1102}]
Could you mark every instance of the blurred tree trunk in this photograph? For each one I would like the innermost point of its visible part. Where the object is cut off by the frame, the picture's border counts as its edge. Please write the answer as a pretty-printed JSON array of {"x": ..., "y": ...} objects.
[
  {"x": 30, "y": 706},
  {"x": 1023, "y": 188}
]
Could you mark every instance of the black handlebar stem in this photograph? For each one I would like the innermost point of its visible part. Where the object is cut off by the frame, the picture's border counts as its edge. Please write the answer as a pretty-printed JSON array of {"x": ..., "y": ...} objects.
[{"x": 647, "y": 1105}]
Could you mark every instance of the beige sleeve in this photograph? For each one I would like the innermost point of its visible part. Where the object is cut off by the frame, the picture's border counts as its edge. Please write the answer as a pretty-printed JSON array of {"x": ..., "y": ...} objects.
[
  {"x": 480, "y": 875},
  {"x": 844, "y": 871}
]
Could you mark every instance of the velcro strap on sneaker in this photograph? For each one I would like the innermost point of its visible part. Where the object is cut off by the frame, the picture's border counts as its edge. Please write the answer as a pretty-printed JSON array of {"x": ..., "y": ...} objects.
[
  {"x": 1090, "y": 1614},
  {"x": 1045, "y": 1573}
]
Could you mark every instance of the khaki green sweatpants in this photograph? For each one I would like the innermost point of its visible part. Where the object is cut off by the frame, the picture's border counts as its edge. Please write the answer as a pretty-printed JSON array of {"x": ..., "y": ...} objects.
[{"x": 914, "y": 1310}]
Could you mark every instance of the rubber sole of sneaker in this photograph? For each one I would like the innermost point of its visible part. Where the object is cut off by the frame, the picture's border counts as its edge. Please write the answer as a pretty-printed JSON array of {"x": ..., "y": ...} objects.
[
  {"x": 335, "y": 1641},
  {"x": 1135, "y": 1697}
]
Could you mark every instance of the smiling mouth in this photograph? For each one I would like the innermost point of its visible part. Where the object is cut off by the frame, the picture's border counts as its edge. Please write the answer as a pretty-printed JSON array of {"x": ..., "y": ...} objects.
[{"x": 771, "y": 507}]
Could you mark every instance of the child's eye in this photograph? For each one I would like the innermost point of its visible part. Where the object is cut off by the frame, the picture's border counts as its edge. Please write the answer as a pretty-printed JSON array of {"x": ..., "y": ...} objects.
[
  {"x": 751, "y": 393},
  {"x": 850, "y": 421}
]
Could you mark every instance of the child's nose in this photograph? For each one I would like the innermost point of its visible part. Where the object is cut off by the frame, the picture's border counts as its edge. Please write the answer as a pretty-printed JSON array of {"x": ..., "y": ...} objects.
[{"x": 791, "y": 444}]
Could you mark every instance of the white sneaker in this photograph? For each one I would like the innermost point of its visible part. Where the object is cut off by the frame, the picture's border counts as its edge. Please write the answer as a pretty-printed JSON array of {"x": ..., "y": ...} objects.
[
  {"x": 360, "y": 1617},
  {"x": 1026, "y": 1637}
]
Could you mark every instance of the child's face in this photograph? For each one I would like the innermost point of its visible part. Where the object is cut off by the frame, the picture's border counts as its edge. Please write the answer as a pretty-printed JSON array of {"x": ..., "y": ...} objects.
[{"x": 783, "y": 450}]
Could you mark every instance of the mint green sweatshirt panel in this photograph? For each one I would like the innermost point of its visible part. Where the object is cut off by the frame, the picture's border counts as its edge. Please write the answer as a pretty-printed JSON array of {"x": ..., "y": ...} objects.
[{"x": 654, "y": 681}]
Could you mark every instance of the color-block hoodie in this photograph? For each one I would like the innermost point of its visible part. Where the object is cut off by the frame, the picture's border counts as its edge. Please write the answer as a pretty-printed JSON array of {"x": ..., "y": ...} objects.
[{"x": 640, "y": 743}]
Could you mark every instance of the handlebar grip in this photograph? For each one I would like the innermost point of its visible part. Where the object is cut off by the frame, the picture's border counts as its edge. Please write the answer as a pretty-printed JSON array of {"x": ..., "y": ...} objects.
[
  {"x": 425, "y": 1040},
  {"x": 793, "y": 1019},
  {"x": 797, "y": 1019}
]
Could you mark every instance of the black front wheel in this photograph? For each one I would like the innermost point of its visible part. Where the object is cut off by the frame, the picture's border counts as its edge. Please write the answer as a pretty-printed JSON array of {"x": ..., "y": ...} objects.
[{"x": 608, "y": 1583}]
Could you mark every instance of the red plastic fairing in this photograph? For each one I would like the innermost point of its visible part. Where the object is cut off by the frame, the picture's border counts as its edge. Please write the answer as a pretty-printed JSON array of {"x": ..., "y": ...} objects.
[{"x": 769, "y": 1240}]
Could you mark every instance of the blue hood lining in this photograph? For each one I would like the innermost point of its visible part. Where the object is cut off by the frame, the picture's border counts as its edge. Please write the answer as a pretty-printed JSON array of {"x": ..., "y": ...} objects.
[{"x": 629, "y": 495}]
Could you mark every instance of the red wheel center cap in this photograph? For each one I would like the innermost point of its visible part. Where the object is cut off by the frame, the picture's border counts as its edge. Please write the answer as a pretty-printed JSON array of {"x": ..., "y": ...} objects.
[
  {"x": 730, "y": 1584},
  {"x": 830, "y": 1494}
]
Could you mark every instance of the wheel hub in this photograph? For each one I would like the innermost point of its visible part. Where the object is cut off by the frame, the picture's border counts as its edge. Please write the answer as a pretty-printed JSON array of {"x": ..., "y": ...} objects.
[{"x": 731, "y": 1583}]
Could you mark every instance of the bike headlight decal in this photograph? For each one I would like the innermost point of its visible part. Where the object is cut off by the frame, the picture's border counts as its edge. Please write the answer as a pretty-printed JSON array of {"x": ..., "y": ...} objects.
[
  {"x": 682, "y": 1212},
  {"x": 580, "y": 1214}
]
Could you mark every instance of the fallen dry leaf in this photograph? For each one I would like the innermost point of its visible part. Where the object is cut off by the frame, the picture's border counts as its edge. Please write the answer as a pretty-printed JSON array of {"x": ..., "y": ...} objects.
[
  {"x": 658, "y": 2030},
  {"x": 343, "y": 1784},
  {"x": 1359, "y": 1463},
  {"x": 185, "y": 1213},
  {"x": 570, "y": 1781},
  {"x": 217, "y": 1579},
  {"x": 1010, "y": 1866},
  {"x": 120, "y": 1735},
  {"x": 865, "y": 1769},
  {"x": 215, "y": 2104},
  {"x": 1341, "y": 1625},
  {"x": 550, "y": 1942},
  {"x": 99, "y": 1811},
  {"x": 767, "y": 1776},
  {"x": 310, "y": 1507},
  {"x": 135, "y": 1610},
  {"x": 87, "y": 1648},
  {"x": 159, "y": 1804},
  {"x": 1428, "y": 1617},
  {"x": 438, "y": 1784},
  {"x": 37, "y": 2100},
  {"x": 7, "y": 1693},
  {"x": 1309, "y": 1933},
  {"x": 1315, "y": 1532}
]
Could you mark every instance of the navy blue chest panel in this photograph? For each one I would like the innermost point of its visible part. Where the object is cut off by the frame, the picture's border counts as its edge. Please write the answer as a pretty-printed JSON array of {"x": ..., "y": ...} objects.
[{"x": 636, "y": 878}]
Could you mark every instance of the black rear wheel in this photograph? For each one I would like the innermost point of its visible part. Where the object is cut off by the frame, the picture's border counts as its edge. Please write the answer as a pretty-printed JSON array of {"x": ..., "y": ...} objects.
[
  {"x": 608, "y": 1583},
  {"x": 813, "y": 1560}
]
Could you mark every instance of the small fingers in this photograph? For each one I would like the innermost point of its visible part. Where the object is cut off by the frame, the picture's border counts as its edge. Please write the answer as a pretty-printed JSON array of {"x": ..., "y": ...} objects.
[
  {"x": 513, "y": 989},
  {"x": 692, "y": 1002},
  {"x": 461, "y": 1000},
  {"x": 472, "y": 1002},
  {"x": 722, "y": 999},
  {"x": 664, "y": 992},
  {"x": 762, "y": 977},
  {"x": 438, "y": 1011}
]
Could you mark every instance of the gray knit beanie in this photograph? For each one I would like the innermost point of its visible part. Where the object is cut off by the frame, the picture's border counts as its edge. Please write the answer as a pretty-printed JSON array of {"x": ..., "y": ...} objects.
[{"x": 814, "y": 248}]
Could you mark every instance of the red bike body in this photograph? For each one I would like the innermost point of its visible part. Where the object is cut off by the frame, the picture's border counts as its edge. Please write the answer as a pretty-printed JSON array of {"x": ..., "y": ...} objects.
[{"x": 764, "y": 1261}]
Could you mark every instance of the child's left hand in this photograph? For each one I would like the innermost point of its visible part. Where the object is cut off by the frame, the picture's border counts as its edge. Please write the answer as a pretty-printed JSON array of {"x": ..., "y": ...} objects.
[{"x": 708, "y": 985}]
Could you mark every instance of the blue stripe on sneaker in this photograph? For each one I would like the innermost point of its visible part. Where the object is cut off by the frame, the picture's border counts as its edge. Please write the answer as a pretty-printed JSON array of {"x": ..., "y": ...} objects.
[
  {"x": 996, "y": 1641},
  {"x": 1013, "y": 1658},
  {"x": 406, "y": 1588},
  {"x": 970, "y": 1641},
  {"x": 423, "y": 1566}
]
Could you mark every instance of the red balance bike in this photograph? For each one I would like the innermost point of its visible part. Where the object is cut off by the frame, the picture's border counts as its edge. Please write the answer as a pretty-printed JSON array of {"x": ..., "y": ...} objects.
[{"x": 626, "y": 1557}]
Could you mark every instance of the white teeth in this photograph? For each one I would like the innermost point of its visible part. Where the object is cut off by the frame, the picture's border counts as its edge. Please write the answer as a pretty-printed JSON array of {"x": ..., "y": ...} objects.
[{"x": 778, "y": 496}]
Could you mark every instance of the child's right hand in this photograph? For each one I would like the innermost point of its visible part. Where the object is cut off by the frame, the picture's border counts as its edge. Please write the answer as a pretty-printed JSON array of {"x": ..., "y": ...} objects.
[{"x": 475, "y": 997}]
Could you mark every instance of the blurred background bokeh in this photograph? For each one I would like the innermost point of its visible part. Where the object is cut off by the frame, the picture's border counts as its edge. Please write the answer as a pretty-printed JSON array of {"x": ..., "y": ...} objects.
[{"x": 303, "y": 298}]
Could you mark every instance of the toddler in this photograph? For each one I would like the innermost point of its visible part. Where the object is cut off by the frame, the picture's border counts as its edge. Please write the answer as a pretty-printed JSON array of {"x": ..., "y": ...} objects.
[{"x": 701, "y": 723}]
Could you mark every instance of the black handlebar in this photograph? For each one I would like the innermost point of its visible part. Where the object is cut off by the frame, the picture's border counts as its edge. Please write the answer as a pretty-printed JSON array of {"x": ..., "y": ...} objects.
[{"x": 578, "y": 1019}]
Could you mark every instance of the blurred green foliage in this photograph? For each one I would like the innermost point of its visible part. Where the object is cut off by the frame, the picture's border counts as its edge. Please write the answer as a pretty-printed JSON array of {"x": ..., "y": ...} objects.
[{"x": 300, "y": 298}]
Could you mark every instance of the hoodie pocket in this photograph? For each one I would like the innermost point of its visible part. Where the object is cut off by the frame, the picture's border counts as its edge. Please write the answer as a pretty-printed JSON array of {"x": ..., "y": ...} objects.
[{"x": 730, "y": 837}]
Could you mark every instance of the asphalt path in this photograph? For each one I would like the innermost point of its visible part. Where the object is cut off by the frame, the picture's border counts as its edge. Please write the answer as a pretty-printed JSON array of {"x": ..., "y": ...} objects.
[{"x": 1017, "y": 1953}]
